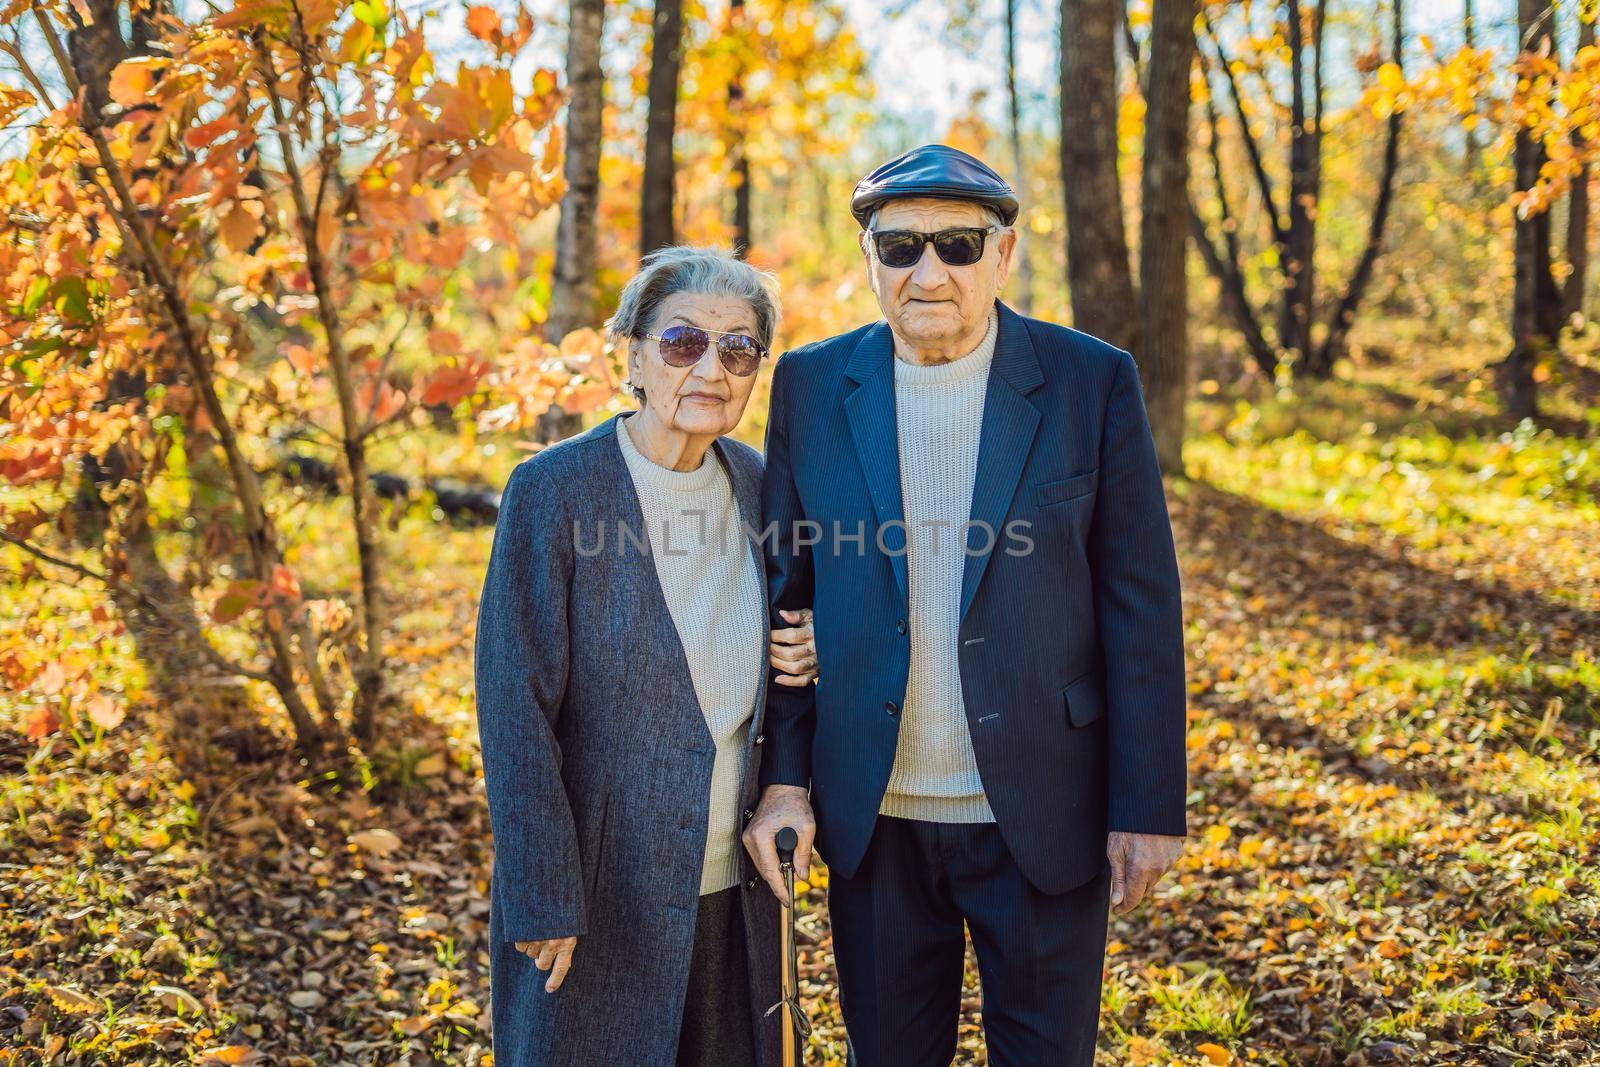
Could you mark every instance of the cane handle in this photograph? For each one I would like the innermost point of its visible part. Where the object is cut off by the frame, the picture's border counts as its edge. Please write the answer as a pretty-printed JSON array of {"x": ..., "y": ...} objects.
[{"x": 787, "y": 841}]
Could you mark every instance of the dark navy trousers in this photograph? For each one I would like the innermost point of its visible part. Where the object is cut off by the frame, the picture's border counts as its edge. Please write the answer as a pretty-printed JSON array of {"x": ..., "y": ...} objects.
[{"x": 898, "y": 943}]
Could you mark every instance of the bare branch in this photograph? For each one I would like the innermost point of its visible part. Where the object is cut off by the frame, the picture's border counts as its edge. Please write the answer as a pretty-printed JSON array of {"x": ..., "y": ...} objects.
[
  {"x": 54, "y": 560},
  {"x": 1269, "y": 198},
  {"x": 11, "y": 49}
]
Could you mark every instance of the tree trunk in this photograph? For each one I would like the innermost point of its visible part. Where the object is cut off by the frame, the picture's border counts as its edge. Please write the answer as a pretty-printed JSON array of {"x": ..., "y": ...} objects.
[
  {"x": 1333, "y": 344},
  {"x": 1578, "y": 213},
  {"x": 367, "y": 670},
  {"x": 660, "y": 171},
  {"x": 1098, "y": 273},
  {"x": 160, "y": 615},
  {"x": 1164, "y": 227},
  {"x": 1022, "y": 295},
  {"x": 96, "y": 47},
  {"x": 741, "y": 133},
  {"x": 1298, "y": 251},
  {"x": 1225, "y": 264},
  {"x": 1535, "y": 305},
  {"x": 573, "y": 289},
  {"x": 1469, "y": 36}
]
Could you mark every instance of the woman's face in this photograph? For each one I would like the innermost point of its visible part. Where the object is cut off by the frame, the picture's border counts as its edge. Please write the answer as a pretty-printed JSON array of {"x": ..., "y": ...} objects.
[{"x": 704, "y": 398}]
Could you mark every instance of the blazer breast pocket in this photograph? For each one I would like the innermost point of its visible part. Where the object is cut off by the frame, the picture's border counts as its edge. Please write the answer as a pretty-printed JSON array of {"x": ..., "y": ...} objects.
[{"x": 1062, "y": 490}]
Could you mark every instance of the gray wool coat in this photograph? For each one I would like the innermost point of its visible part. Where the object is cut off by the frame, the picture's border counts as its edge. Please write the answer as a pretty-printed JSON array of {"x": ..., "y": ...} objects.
[{"x": 598, "y": 762}]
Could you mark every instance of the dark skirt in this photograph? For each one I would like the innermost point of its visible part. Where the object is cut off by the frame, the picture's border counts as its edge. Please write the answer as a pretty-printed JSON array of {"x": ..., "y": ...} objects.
[{"x": 717, "y": 1029}]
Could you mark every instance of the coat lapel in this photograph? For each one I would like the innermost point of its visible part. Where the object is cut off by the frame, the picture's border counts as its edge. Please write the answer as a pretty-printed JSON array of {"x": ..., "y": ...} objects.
[
  {"x": 870, "y": 409},
  {"x": 1009, "y": 423},
  {"x": 659, "y": 631}
]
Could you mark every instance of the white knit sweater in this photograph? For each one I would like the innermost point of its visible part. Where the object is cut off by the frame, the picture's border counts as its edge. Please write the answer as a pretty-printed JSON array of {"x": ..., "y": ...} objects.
[
  {"x": 939, "y": 414},
  {"x": 714, "y": 592}
]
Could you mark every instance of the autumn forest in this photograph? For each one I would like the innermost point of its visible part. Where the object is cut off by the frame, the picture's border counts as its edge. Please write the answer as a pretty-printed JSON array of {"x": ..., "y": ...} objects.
[{"x": 289, "y": 287}]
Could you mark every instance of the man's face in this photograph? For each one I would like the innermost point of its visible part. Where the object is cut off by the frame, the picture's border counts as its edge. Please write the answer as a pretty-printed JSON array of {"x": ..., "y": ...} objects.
[{"x": 930, "y": 302}]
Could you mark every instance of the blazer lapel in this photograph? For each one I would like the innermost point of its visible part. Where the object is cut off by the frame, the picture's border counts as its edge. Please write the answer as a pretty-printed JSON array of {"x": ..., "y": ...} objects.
[
  {"x": 870, "y": 409},
  {"x": 1009, "y": 423}
]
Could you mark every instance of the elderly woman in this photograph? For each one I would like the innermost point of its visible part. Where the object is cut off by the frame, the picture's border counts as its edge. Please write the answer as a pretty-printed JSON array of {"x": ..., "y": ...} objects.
[{"x": 621, "y": 661}]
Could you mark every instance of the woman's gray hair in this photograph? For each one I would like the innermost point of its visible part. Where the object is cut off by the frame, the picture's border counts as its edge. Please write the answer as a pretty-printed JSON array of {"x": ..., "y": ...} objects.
[{"x": 704, "y": 271}]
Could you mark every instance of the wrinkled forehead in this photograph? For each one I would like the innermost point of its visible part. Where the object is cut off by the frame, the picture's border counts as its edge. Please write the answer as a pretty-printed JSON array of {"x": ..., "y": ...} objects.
[
  {"x": 709, "y": 311},
  {"x": 928, "y": 214}
]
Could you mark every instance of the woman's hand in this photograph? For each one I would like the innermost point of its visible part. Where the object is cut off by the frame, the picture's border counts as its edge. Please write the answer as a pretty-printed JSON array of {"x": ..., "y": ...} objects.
[
  {"x": 794, "y": 650},
  {"x": 557, "y": 951}
]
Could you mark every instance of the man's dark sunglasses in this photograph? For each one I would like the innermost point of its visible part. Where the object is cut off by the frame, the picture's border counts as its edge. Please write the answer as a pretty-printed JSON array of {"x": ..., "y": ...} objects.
[
  {"x": 961, "y": 246},
  {"x": 682, "y": 346}
]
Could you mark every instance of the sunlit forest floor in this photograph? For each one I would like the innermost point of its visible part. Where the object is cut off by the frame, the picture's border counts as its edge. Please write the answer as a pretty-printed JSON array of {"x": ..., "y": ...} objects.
[{"x": 1395, "y": 717}]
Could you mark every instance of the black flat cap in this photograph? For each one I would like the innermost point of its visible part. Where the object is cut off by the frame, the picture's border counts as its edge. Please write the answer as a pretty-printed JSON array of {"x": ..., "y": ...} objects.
[{"x": 934, "y": 170}]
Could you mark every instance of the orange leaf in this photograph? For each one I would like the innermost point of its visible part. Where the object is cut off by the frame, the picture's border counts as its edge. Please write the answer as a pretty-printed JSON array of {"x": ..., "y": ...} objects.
[
  {"x": 483, "y": 22},
  {"x": 1215, "y": 1054},
  {"x": 132, "y": 80},
  {"x": 51, "y": 679},
  {"x": 388, "y": 402},
  {"x": 302, "y": 359},
  {"x": 444, "y": 342},
  {"x": 581, "y": 346},
  {"x": 237, "y": 599},
  {"x": 581, "y": 399},
  {"x": 105, "y": 712},
  {"x": 42, "y": 723},
  {"x": 1142, "y": 1052},
  {"x": 240, "y": 226},
  {"x": 207, "y": 132},
  {"x": 357, "y": 42},
  {"x": 284, "y": 583},
  {"x": 451, "y": 384}
]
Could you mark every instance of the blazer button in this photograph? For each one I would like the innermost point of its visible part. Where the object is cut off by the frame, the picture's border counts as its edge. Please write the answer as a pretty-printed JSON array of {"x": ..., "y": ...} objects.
[
  {"x": 749, "y": 814},
  {"x": 751, "y": 883},
  {"x": 891, "y": 707},
  {"x": 760, "y": 738},
  {"x": 900, "y": 626}
]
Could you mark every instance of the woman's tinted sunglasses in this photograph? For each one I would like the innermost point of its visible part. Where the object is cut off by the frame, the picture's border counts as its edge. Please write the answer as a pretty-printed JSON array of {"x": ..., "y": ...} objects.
[
  {"x": 682, "y": 346},
  {"x": 961, "y": 246}
]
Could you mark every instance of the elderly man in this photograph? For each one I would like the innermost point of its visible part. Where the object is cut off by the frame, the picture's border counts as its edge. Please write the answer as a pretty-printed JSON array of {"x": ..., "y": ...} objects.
[{"x": 970, "y": 501}]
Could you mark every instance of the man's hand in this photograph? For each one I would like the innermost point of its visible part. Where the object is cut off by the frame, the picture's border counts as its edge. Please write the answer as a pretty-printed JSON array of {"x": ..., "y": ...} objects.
[
  {"x": 1137, "y": 863},
  {"x": 793, "y": 650},
  {"x": 557, "y": 951},
  {"x": 781, "y": 805}
]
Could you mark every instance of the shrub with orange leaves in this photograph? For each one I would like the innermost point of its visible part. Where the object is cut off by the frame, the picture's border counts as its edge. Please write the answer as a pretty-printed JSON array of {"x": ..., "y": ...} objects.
[{"x": 278, "y": 222}]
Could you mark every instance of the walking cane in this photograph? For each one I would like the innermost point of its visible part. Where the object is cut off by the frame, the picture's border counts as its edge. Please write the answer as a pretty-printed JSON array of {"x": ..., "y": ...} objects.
[{"x": 795, "y": 1025}]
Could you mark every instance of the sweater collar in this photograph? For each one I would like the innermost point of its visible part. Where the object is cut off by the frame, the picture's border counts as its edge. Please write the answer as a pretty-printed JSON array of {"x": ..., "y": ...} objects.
[{"x": 647, "y": 470}]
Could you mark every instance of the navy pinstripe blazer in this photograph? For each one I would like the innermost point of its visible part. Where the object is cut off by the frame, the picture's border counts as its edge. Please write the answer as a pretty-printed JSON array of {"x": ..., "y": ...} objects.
[{"x": 1071, "y": 647}]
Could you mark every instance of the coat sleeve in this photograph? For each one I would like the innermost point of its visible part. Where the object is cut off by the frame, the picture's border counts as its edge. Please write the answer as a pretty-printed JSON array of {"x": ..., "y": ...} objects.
[
  {"x": 791, "y": 714},
  {"x": 520, "y": 662},
  {"x": 1138, "y": 611}
]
